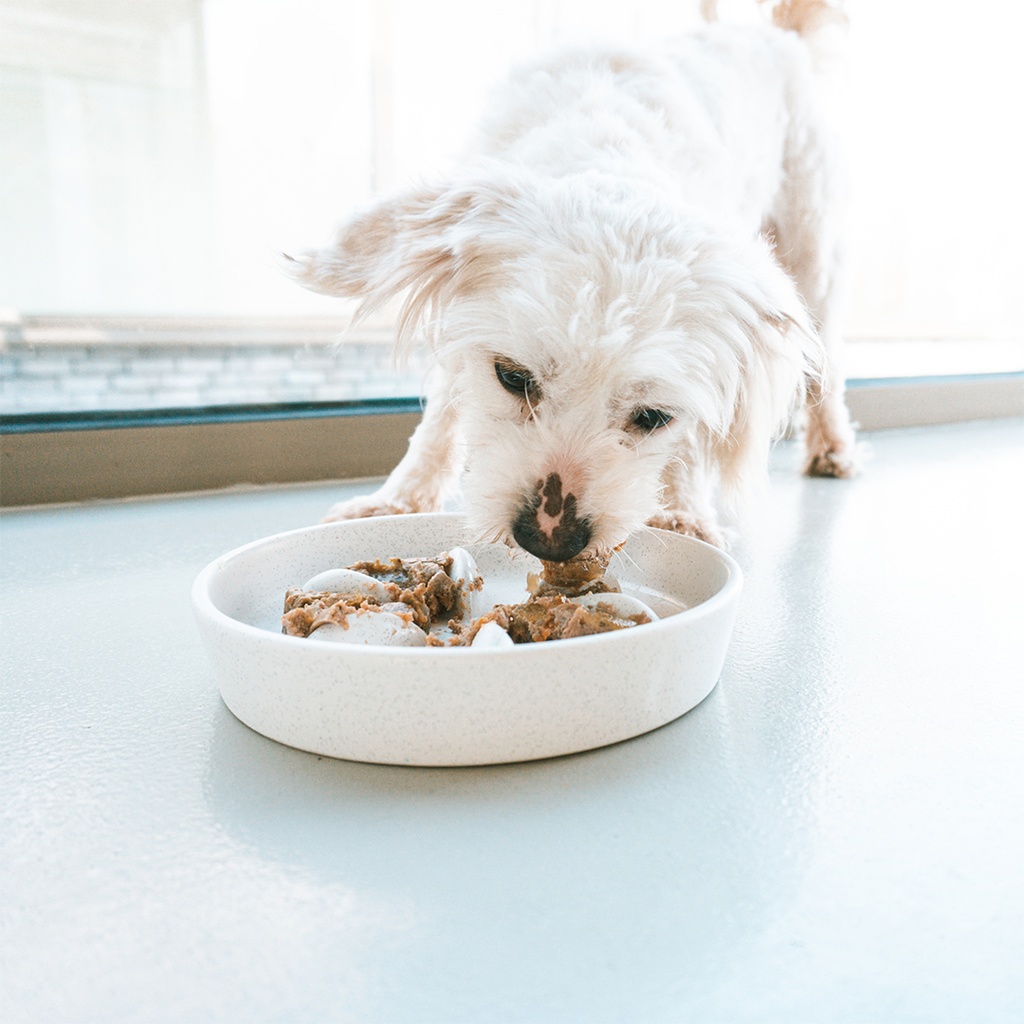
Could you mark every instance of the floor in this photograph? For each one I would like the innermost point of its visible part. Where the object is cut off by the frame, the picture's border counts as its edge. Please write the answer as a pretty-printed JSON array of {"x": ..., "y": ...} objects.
[{"x": 834, "y": 835}]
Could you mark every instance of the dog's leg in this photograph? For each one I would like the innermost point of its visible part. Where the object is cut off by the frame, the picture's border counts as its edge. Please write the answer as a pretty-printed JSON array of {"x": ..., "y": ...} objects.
[
  {"x": 830, "y": 443},
  {"x": 426, "y": 474},
  {"x": 688, "y": 503},
  {"x": 809, "y": 248},
  {"x": 829, "y": 439}
]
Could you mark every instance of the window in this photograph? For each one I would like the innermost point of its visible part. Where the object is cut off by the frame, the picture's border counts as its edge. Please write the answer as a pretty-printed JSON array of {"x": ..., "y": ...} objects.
[
  {"x": 156, "y": 153},
  {"x": 936, "y": 211}
]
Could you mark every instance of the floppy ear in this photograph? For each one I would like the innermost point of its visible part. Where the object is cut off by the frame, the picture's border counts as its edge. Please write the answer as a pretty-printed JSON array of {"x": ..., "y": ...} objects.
[
  {"x": 420, "y": 243},
  {"x": 777, "y": 350}
]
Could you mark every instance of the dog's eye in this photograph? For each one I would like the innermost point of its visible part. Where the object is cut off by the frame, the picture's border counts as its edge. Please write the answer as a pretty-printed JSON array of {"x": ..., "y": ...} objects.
[
  {"x": 515, "y": 379},
  {"x": 649, "y": 420}
]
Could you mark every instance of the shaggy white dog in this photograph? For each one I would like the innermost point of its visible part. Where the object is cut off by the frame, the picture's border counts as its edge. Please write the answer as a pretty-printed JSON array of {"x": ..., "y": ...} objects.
[{"x": 629, "y": 288}]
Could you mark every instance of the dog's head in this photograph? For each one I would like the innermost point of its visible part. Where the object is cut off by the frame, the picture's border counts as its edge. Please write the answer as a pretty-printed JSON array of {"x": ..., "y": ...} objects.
[{"x": 591, "y": 335}]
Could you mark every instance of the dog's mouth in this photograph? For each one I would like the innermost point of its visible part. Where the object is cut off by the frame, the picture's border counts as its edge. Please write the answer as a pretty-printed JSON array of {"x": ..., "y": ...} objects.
[{"x": 547, "y": 523}]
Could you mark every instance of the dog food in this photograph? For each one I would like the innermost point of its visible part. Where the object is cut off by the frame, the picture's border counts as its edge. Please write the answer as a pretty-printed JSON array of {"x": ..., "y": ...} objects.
[
  {"x": 553, "y": 617},
  {"x": 572, "y": 578},
  {"x": 420, "y": 590},
  {"x": 436, "y": 602}
]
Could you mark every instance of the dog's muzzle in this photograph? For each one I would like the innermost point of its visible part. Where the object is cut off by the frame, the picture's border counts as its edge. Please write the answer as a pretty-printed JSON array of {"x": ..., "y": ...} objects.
[{"x": 546, "y": 524}]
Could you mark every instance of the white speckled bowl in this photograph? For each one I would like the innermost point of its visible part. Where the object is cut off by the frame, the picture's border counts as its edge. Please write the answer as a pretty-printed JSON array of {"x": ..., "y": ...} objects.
[{"x": 459, "y": 706}]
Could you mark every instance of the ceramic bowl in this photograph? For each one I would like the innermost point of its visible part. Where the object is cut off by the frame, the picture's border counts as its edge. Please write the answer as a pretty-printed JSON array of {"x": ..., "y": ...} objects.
[{"x": 460, "y": 705}]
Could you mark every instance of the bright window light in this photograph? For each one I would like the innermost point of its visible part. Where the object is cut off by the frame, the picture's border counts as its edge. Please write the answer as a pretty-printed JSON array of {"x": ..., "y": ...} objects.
[{"x": 155, "y": 155}]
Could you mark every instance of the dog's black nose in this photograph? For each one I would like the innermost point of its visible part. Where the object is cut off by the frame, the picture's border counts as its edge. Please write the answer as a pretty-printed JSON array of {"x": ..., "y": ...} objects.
[
  {"x": 547, "y": 525},
  {"x": 564, "y": 542}
]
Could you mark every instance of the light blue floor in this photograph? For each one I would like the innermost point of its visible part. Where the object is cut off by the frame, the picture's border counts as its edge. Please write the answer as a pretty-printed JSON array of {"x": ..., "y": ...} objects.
[{"x": 834, "y": 835}]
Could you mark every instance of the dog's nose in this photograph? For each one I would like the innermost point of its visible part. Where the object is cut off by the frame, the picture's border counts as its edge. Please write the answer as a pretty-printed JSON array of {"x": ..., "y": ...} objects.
[{"x": 547, "y": 525}]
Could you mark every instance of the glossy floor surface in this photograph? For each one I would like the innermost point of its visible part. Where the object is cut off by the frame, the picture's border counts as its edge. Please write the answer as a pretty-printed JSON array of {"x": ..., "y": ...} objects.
[{"x": 834, "y": 835}]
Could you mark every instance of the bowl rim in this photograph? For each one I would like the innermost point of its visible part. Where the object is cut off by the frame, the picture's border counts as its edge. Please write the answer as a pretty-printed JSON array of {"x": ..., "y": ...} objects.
[{"x": 204, "y": 608}]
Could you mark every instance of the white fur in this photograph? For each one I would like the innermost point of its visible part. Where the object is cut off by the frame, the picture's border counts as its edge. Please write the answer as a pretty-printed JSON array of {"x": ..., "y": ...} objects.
[{"x": 639, "y": 231}]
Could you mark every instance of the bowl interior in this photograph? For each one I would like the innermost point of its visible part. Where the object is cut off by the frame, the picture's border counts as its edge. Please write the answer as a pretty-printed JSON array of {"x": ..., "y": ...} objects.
[{"x": 669, "y": 572}]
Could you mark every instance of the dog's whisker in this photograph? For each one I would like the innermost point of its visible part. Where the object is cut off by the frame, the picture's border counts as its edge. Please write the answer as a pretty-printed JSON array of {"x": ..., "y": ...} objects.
[
  {"x": 625, "y": 557},
  {"x": 654, "y": 534}
]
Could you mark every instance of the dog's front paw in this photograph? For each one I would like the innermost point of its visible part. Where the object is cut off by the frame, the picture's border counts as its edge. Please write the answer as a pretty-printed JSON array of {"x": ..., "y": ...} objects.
[
  {"x": 365, "y": 507},
  {"x": 679, "y": 521},
  {"x": 841, "y": 461}
]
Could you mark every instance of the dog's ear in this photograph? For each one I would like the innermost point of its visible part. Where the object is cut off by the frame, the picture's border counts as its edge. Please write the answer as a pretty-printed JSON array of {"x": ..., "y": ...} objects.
[
  {"x": 420, "y": 243},
  {"x": 776, "y": 349}
]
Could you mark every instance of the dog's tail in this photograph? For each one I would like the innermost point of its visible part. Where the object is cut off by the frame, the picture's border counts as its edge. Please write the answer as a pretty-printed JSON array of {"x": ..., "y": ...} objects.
[{"x": 822, "y": 24}]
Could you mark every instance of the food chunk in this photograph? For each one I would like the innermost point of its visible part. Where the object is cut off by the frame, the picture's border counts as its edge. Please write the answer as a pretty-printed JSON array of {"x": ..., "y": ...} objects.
[
  {"x": 307, "y": 610},
  {"x": 424, "y": 584},
  {"x": 419, "y": 590},
  {"x": 577, "y": 576}
]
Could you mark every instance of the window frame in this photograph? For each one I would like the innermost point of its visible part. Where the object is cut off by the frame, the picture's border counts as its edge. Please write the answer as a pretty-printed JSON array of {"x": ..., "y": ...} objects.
[
  {"x": 50, "y": 458},
  {"x": 47, "y": 459}
]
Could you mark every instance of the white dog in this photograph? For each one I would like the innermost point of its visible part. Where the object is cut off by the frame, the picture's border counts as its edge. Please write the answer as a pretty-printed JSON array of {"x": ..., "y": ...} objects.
[{"x": 629, "y": 288}]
